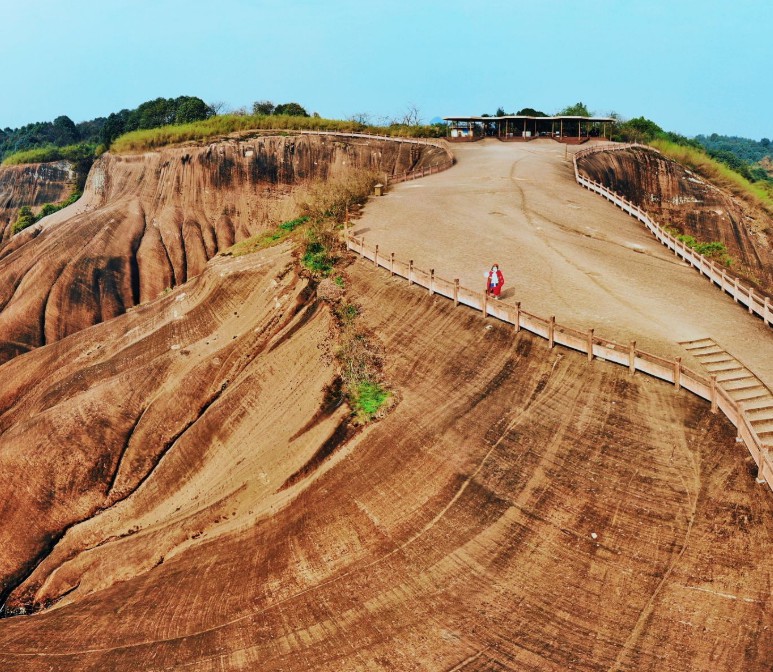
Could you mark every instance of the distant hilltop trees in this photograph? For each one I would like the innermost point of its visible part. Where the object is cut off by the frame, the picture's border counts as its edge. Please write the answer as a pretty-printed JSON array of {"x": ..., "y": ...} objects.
[
  {"x": 153, "y": 114},
  {"x": 46, "y": 137}
]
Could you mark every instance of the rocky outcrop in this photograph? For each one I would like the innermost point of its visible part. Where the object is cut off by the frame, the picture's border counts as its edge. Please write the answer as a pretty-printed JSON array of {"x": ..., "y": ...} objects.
[
  {"x": 519, "y": 508},
  {"x": 154, "y": 220},
  {"x": 677, "y": 197},
  {"x": 33, "y": 185}
]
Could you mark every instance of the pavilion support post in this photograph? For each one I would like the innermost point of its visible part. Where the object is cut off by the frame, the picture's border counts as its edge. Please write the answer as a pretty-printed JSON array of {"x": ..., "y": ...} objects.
[
  {"x": 552, "y": 331},
  {"x": 713, "y": 393},
  {"x": 392, "y": 264},
  {"x": 517, "y": 316},
  {"x": 751, "y": 300},
  {"x": 431, "y": 281},
  {"x": 766, "y": 312},
  {"x": 410, "y": 272},
  {"x": 456, "y": 292},
  {"x": 485, "y": 304},
  {"x": 632, "y": 357},
  {"x": 375, "y": 257},
  {"x": 590, "y": 345}
]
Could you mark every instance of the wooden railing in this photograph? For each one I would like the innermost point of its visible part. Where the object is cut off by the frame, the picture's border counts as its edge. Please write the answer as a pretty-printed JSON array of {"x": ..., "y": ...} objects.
[
  {"x": 741, "y": 293},
  {"x": 586, "y": 342}
]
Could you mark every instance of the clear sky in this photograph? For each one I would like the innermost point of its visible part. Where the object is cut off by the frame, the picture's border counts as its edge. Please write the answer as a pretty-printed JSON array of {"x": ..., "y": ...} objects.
[{"x": 693, "y": 67}]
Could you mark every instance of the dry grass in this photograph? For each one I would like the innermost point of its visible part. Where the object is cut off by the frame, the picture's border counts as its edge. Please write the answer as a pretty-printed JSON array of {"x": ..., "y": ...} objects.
[{"x": 718, "y": 173}]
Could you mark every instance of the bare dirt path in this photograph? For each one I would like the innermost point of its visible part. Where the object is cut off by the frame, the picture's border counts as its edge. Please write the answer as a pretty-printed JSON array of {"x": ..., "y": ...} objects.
[{"x": 564, "y": 251}]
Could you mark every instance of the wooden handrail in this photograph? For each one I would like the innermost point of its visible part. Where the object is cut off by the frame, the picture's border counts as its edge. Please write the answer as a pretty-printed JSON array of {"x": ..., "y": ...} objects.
[
  {"x": 760, "y": 305},
  {"x": 670, "y": 370}
]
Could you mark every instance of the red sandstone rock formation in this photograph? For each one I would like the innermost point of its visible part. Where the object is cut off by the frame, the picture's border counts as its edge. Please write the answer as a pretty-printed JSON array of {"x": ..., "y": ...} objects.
[
  {"x": 519, "y": 509},
  {"x": 677, "y": 197},
  {"x": 179, "y": 493},
  {"x": 33, "y": 185},
  {"x": 154, "y": 220}
]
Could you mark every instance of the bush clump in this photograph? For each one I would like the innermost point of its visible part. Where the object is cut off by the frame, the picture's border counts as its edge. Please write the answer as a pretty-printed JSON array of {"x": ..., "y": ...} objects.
[{"x": 27, "y": 218}]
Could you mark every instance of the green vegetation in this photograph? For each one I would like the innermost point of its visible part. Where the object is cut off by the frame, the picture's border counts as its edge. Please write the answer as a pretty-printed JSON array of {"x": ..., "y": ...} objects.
[
  {"x": 214, "y": 127},
  {"x": 368, "y": 399},
  {"x": 27, "y": 218},
  {"x": 713, "y": 250},
  {"x": 264, "y": 240},
  {"x": 75, "y": 153},
  {"x": 360, "y": 360},
  {"x": 154, "y": 114},
  {"x": 696, "y": 159}
]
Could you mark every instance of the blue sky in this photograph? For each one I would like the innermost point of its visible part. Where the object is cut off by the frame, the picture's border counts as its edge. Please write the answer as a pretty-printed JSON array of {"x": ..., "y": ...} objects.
[{"x": 692, "y": 67}]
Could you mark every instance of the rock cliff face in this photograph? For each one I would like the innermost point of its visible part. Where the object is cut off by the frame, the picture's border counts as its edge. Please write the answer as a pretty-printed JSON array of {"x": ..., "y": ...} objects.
[
  {"x": 33, "y": 185},
  {"x": 153, "y": 221},
  {"x": 519, "y": 509},
  {"x": 677, "y": 197}
]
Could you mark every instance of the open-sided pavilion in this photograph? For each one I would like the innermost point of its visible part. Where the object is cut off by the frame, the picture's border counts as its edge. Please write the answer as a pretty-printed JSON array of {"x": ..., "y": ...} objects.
[{"x": 515, "y": 127}]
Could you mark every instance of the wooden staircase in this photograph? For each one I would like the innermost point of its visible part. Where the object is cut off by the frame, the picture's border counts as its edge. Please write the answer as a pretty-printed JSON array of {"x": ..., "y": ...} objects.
[{"x": 748, "y": 391}]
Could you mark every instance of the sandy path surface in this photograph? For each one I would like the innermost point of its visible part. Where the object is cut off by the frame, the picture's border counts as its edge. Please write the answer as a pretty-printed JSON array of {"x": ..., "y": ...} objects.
[{"x": 564, "y": 251}]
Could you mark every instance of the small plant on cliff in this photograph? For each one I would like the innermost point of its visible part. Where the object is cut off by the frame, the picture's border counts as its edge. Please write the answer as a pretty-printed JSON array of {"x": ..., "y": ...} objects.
[
  {"x": 360, "y": 359},
  {"x": 264, "y": 240},
  {"x": 28, "y": 218}
]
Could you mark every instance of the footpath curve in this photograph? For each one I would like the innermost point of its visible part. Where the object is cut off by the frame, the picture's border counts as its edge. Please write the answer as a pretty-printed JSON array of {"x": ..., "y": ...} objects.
[{"x": 671, "y": 369}]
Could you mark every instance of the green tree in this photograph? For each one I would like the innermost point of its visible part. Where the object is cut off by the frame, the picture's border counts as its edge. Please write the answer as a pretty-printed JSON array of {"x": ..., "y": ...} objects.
[
  {"x": 530, "y": 112},
  {"x": 263, "y": 108},
  {"x": 291, "y": 110},
  {"x": 576, "y": 110},
  {"x": 190, "y": 108}
]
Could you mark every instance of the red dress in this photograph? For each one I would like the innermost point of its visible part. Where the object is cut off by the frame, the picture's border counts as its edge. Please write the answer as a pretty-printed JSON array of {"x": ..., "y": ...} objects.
[{"x": 493, "y": 288}]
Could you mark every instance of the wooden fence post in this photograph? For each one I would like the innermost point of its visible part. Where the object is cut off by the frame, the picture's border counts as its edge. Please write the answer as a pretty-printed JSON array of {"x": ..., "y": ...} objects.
[
  {"x": 456, "y": 292},
  {"x": 410, "y": 272},
  {"x": 590, "y": 345},
  {"x": 375, "y": 257},
  {"x": 392, "y": 264},
  {"x": 517, "y": 316},
  {"x": 713, "y": 396},
  {"x": 551, "y": 331},
  {"x": 632, "y": 357},
  {"x": 751, "y": 300},
  {"x": 678, "y": 373},
  {"x": 431, "y": 281}
]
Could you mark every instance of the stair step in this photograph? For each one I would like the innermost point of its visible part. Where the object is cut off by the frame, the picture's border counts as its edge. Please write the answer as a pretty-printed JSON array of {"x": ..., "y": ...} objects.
[
  {"x": 759, "y": 414},
  {"x": 721, "y": 367},
  {"x": 706, "y": 351},
  {"x": 756, "y": 403},
  {"x": 733, "y": 376},
  {"x": 762, "y": 426},
  {"x": 744, "y": 384},
  {"x": 699, "y": 345},
  {"x": 719, "y": 357},
  {"x": 750, "y": 394}
]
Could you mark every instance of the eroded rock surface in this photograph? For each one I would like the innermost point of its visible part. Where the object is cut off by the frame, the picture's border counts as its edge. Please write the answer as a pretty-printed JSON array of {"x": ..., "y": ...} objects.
[
  {"x": 33, "y": 185},
  {"x": 519, "y": 508},
  {"x": 677, "y": 197},
  {"x": 154, "y": 220}
]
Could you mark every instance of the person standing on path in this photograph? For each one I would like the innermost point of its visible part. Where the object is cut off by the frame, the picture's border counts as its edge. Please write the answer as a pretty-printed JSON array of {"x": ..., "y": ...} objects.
[{"x": 494, "y": 281}]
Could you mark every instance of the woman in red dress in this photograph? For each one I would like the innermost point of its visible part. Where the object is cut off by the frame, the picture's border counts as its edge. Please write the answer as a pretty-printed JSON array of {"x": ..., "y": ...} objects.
[{"x": 494, "y": 281}]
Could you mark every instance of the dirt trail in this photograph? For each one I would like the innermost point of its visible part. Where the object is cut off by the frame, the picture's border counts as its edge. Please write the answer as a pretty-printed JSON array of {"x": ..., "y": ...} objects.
[{"x": 564, "y": 251}]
